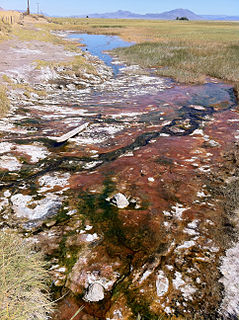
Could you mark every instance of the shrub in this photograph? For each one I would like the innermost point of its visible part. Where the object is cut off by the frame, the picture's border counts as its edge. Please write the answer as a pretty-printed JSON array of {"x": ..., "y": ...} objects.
[
  {"x": 23, "y": 289},
  {"x": 182, "y": 18}
]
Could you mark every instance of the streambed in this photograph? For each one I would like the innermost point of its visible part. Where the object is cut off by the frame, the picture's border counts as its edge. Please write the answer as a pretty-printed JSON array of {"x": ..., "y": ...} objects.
[
  {"x": 153, "y": 141},
  {"x": 97, "y": 45}
]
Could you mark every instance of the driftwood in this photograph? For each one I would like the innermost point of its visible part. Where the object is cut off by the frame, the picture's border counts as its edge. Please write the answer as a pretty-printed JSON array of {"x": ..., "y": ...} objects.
[{"x": 69, "y": 134}]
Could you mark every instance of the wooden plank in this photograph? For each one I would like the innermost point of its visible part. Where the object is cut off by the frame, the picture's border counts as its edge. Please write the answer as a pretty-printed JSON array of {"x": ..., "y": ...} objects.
[{"x": 70, "y": 134}]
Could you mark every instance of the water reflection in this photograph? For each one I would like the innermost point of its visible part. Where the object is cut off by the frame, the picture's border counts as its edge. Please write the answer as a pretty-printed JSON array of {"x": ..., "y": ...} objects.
[{"x": 97, "y": 44}]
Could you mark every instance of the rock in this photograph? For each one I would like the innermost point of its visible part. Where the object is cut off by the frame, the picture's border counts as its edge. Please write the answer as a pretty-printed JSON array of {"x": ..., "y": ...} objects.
[
  {"x": 162, "y": 284},
  {"x": 93, "y": 266},
  {"x": 95, "y": 292},
  {"x": 119, "y": 200},
  {"x": 7, "y": 194},
  {"x": 51, "y": 223},
  {"x": 229, "y": 270},
  {"x": 71, "y": 86},
  {"x": 46, "y": 207}
]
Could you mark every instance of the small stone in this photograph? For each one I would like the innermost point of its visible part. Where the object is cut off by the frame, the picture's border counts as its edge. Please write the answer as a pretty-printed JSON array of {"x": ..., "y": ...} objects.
[
  {"x": 151, "y": 179},
  {"x": 120, "y": 201},
  {"x": 162, "y": 284},
  {"x": 213, "y": 143},
  {"x": 95, "y": 293},
  {"x": 51, "y": 223},
  {"x": 70, "y": 213},
  {"x": 7, "y": 194},
  {"x": 61, "y": 270}
]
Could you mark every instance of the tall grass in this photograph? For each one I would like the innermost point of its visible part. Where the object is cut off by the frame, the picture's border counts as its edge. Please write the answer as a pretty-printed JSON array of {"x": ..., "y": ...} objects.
[
  {"x": 23, "y": 292},
  {"x": 4, "y": 101},
  {"x": 186, "y": 61},
  {"x": 5, "y": 30}
]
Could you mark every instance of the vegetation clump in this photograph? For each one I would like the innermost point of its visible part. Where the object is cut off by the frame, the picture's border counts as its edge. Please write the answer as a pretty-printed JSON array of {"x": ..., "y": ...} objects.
[
  {"x": 23, "y": 289},
  {"x": 182, "y": 18},
  {"x": 4, "y": 101}
]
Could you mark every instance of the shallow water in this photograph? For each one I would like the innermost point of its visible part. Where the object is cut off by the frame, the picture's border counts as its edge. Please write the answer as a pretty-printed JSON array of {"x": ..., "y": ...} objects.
[{"x": 98, "y": 44}]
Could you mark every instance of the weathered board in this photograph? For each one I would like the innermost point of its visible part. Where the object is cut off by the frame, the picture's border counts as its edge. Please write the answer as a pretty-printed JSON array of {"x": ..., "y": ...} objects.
[{"x": 69, "y": 134}]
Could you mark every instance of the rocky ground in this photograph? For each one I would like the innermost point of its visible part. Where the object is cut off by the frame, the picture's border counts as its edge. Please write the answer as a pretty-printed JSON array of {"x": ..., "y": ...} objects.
[{"x": 133, "y": 213}]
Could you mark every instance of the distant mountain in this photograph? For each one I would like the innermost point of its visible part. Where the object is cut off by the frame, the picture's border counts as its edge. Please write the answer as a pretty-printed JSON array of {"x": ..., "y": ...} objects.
[
  {"x": 120, "y": 14},
  {"x": 1, "y": 9},
  {"x": 220, "y": 17},
  {"x": 173, "y": 14},
  {"x": 168, "y": 15}
]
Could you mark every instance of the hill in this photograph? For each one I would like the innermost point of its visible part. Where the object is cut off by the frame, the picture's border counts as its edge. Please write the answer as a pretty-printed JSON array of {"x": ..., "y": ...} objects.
[
  {"x": 173, "y": 14},
  {"x": 168, "y": 15}
]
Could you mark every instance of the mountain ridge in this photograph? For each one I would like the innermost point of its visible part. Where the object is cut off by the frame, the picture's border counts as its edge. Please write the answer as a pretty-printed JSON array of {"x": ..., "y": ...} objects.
[{"x": 167, "y": 15}]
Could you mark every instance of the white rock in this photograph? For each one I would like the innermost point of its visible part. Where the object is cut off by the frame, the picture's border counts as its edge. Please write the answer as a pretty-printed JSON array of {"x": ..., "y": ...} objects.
[
  {"x": 88, "y": 227},
  {"x": 7, "y": 194},
  {"x": 178, "y": 210},
  {"x": 50, "y": 181},
  {"x": 213, "y": 143},
  {"x": 197, "y": 132},
  {"x": 151, "y": 179},
  {"x": 145, "y": 275},
  {"x": 120, "y": 201},
  {"x": 230, "y": 281},
  {"x": 186, "y": 245},
  {"x": 3, "y": 203},
  {"x": 44, "y": 207},
  {"x": 10, "y": 163},
  {"x": 95, "y": 293},
  {"x": 197, "y": 107},
  {"x": 187, "y": 289},
  {"x": 178, "y": 281},
  {"x": 162, "y": 284},
  {"x": 70, "y": 213},
  {"x": 61, "y": 270},
  {"x": 5, "y": 147},
  {"x": 92, "y": 237},
  {"x": 36, "y": 152}
]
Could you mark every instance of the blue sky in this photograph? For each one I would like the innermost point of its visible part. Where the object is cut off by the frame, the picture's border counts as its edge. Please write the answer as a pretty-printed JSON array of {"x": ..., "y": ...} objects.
[{"x": 78, "y": 7}]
